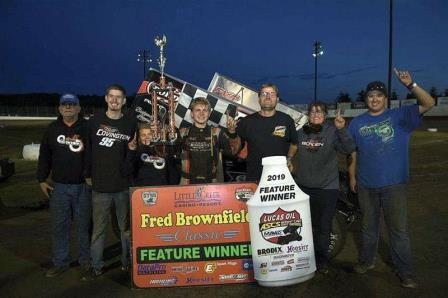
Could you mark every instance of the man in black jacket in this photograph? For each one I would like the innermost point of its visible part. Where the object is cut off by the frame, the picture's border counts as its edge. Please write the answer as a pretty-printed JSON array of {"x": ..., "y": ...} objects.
[
  {"x": 62, "y": 154},
  {"x": 108, "y": 138}
]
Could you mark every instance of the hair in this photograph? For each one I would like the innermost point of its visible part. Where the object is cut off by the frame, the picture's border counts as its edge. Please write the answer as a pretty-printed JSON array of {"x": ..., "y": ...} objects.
[
  {"x": 116, "y": 87},
  {"x": 319, "y": 106},
  {"x": 143, "y": 125},
  {"x": 200, "y": 101},
  {"x": 268, "y": 85}
]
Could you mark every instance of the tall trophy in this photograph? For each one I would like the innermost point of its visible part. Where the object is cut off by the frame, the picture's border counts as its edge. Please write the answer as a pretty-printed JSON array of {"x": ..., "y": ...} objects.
[{"x": 162, "y": 132}]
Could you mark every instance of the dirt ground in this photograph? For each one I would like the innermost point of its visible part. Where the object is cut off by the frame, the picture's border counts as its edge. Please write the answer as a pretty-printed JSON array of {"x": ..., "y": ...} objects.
[{"x": 25, "y": 248}]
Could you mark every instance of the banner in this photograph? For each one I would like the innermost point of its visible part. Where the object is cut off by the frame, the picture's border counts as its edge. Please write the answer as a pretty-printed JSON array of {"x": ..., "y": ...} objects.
[
  {"x": 191, "y": 235},
  {"x": 245, "y": 96}
]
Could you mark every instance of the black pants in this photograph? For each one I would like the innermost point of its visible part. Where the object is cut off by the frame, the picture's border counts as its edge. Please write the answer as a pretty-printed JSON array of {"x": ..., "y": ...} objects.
[{"x": 323, "y": 206}]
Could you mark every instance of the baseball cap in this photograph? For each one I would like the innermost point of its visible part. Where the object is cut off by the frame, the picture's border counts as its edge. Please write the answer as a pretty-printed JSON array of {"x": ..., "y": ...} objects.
[
  {"x": 68, "y": 98},
  {"x": 376, "y": 86}
]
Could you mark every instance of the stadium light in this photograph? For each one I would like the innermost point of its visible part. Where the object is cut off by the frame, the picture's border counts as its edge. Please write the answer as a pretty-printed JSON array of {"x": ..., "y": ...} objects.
[{"x": 144, "y": 57}]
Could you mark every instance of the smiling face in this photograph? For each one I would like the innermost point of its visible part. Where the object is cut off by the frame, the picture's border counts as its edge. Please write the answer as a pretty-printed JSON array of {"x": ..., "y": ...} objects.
[
  {"x": 316, "y": 115},
  {"x": 200, "y": 114},
  {"x": 376, "y": 102},
  {"x": 115, "y": 100}
]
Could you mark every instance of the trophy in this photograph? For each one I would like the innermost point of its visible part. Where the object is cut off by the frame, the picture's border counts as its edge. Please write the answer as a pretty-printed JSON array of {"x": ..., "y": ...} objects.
[{"x": 162, "y": 132}]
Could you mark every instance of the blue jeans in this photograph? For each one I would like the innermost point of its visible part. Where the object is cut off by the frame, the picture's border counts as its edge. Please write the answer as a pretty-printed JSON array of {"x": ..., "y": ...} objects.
[
  {"x": 322, "y": 207},
  {"x": 393, "y": 200},
  {"x": 70, "y": 201},
  {"x": 101, "y": 203}
]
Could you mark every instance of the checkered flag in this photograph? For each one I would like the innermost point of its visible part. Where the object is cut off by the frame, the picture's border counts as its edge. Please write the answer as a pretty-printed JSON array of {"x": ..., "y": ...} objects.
[{"x": 219, "y": 107}]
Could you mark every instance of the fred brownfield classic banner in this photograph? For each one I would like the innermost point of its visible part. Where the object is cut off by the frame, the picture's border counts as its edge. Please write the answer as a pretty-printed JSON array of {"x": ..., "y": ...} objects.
[{"x": 191, "y": 235}]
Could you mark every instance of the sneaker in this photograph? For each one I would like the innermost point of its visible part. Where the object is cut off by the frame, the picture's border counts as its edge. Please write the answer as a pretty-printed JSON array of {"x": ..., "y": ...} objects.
[
  {"x": 56, "y": 271},
  {"x": 408, "y": 282},
  {"x": 323, "y": 270},
  {"x": 91, "y": 274},
  {"x": 363, "y": 267}
]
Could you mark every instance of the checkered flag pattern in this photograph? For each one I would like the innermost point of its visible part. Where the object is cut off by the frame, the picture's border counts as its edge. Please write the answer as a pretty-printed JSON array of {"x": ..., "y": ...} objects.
[{"x": 218, "y": 106}]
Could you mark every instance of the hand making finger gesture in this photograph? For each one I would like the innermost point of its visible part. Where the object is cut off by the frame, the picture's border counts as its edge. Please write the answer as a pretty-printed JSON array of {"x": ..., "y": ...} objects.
[
  {"x": 231, "y": 123},
  {"x": 404, "y": 76},
  {"x": 339, "y": 121}
]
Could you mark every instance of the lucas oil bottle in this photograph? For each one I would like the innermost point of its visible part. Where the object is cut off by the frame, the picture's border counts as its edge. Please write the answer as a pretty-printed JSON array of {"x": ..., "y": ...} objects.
[{"x": 280, "y": 228}]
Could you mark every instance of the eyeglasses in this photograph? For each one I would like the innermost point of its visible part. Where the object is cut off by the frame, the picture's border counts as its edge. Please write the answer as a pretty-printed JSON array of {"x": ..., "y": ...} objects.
[
  {"x": 68, "y": 104},
  {"x": 268, "y": 94},
  {"x": 318, "y": 113}
]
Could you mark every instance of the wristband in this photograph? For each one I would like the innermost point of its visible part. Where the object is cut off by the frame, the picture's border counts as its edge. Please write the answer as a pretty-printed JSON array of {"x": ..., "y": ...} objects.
[{"x": 411, "y": 86}]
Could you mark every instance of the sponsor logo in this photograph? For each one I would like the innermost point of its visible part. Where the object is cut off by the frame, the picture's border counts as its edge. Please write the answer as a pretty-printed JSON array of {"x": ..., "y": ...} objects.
[
  {"x": 285, "y": 256},
  {"x": 290, "y": 261},
  {"x": 156, "y": 161},
  {"x": 281, "y": 227},
  {"x": 269, "y": 251},
  {"x": 228, "y": 263},
  {"x": 172, "y": 280},
  {"x": 303, "y": 263},
  {"x": 286, "y": 269},
  {"x": 210, "y": 267},
  {"x": 295, "y": 249},
  {"x": 199, "y": 280},
  {"x": 185, "y": 269},
  {"x": 74, "y": 143},
  {"x": 248, "y": 264},
  {"x": 199, "y": 197},
  {"x": 226, "y": 94},
  {"x": 279, "y": 131},
  {"x": 238, "y": 276},
  {"x": 278, "y": 263},
  {"x": 244, "y": 194},
  {"x": 273, "y": 270},
  {"x": 263, "y": 265},
  {"x": 147, "y": 269},
  {"x": 149, "y": 198}
]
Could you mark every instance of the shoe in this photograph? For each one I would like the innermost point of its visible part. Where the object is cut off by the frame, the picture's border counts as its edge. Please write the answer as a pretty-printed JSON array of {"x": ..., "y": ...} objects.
[
  {"x": 323, "y": 270},
  {"x": 56, "y": 271},
  {"x": 91, "y": 274},
  {"x": 408, "y": 282},
  {"x": 362, "y": 268},
  {"x": 125, "y": 268}
]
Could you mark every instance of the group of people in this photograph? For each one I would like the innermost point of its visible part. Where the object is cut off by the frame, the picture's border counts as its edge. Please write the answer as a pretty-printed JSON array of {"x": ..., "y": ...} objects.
[{"x": 93, "y": 163}]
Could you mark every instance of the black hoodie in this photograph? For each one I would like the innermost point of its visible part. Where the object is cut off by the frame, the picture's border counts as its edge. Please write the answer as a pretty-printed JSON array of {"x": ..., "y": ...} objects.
[{"x": 62, "y": 152}]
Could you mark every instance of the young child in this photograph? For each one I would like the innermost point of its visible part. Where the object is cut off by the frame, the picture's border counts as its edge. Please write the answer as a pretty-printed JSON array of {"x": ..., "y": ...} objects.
[{"x": 146, "y": 164}]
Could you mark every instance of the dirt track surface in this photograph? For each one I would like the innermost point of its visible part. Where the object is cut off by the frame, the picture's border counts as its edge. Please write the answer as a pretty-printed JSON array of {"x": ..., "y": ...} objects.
[{"x": 25, "y": 248}]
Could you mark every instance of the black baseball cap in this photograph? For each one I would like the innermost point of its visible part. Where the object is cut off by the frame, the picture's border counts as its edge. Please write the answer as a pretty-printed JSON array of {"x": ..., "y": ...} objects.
[{"x": 376, "y": 86}]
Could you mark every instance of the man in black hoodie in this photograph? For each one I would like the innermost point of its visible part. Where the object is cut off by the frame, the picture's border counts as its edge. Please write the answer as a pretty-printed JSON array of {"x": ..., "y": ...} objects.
[
  {"x": 108, "y": 138},
  {"x": 62, "y": 154}
]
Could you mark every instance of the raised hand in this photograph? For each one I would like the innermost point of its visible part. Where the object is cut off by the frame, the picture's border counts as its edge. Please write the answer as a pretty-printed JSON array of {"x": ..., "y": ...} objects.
[
  {"x": 404, "y": 76},
  {"x": 339, "y": 121},
  {"x": 231, "y": 123}
]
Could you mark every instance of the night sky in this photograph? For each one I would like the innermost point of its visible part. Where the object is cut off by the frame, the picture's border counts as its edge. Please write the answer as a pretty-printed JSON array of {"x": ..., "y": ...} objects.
[{"x": 82, "y": 46}]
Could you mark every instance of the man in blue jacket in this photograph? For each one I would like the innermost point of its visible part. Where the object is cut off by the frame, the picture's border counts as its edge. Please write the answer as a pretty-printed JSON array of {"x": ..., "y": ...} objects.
[
  {"x": 62, "y": 153},
  {"x": 380, "y": 171}
]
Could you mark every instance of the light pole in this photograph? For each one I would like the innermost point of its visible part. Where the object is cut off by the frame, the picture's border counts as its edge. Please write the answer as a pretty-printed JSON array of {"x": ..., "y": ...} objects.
[
  {"x": 389, "y": 73},
  {"x": 317, "y": 52},
  {"x": 145, "y": 57}
]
